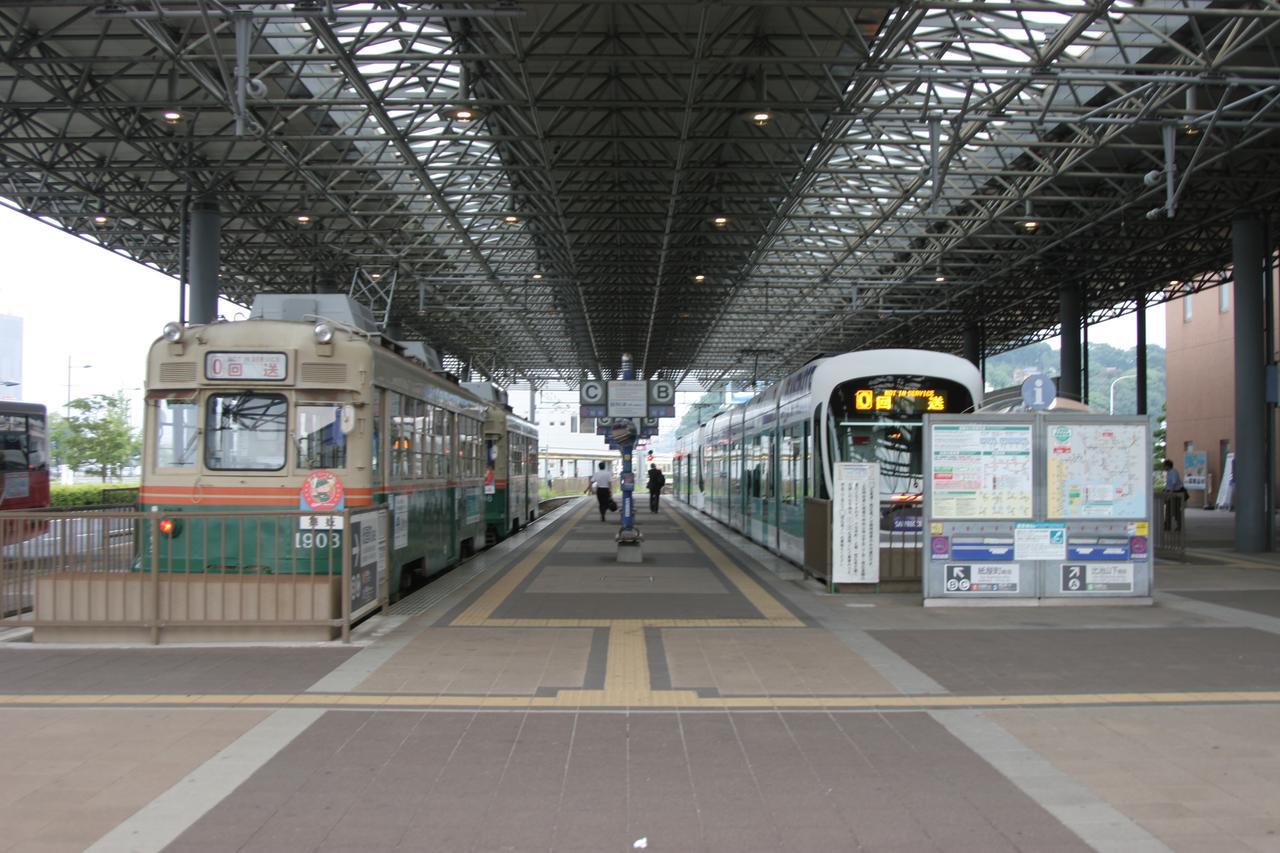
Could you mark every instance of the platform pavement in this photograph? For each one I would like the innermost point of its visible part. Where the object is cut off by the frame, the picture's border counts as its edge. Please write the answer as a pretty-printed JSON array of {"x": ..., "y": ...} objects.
[{"x": 544, "y": 697}]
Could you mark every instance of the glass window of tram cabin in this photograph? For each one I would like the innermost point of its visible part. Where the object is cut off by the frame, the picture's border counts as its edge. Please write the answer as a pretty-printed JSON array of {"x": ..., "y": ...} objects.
[
  {"x": 245, "y": 431},
  {"x": 878, "y": 419},
  {"x": 319, "y": 437},
  {"x": 177, "y": 432}
]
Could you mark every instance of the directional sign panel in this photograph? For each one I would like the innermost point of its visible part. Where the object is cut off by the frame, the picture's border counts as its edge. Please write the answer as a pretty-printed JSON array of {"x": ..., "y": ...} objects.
[
  {"x": 592, "y": 392},
  {"x": 626, "y": 398}
]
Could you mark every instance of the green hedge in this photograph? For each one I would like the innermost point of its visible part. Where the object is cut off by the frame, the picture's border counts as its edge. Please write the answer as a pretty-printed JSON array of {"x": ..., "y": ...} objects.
[{"x": 91, "y": 494}]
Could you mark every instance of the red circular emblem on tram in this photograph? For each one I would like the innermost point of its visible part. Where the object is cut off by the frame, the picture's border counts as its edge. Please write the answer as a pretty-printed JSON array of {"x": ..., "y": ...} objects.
[{"x": 322, "y": 491}]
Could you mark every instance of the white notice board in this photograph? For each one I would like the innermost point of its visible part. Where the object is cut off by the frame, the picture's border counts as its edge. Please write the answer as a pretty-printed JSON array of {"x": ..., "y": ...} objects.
[
  {"x": 980, "y": 470},
  {"x": 855, "y": 523},
  {"x": 628, "y": 398}
]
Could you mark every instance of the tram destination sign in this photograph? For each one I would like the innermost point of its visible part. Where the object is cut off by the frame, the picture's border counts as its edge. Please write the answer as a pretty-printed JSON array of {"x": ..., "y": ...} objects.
[{"x": 238, "y": 366}]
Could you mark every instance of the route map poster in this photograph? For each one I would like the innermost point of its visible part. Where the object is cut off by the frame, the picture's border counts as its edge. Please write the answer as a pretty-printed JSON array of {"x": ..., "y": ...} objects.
[
  {"x": 1098, "y": 470},
  {"x": 981, "y": 470}
]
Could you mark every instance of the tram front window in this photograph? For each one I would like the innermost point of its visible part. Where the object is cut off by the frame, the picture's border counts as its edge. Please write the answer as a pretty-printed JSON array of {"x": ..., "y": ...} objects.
[
  {"x": 321, "y": 442},
  {"x": 176, "y": 433},
  {"x": 879, "y": 419},
  {"x": 245, "y": 432}
]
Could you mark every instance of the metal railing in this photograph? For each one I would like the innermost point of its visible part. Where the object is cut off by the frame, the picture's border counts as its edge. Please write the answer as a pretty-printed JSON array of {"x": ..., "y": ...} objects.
[
  {"x": 147, "y": 573},
  {"x": 1169, "y": 529}
]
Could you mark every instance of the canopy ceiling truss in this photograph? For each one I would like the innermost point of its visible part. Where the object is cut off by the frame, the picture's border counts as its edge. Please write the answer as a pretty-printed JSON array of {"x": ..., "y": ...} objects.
[{"x": 925, "y": 169}]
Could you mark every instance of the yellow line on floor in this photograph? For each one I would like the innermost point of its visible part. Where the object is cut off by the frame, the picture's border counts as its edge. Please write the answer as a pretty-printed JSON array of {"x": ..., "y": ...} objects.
[
  {"x": 621, "y": 692},
  {"x": 626, "y": 679},
  {"x": 760, "y": 598},
  {"x": 789, "y": 622},
  {"x": 484, "y": 606}
]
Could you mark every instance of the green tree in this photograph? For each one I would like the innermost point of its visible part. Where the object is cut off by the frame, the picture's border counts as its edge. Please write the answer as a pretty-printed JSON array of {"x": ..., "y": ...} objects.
[{"x": 97, "y": 437}]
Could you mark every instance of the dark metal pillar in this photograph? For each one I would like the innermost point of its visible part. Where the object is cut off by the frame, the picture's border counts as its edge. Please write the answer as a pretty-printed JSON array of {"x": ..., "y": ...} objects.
[
  {"x": 204, "y": 233},
  {"x": 1248, "y": 250},
  {"x": 1070, "y": 310},
  {"x": 973, "y": 344},
  {"x": 1141, "y": 366}
]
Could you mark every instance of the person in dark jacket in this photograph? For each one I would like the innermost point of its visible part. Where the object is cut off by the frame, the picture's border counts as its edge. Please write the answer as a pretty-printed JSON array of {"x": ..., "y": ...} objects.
[{"x": 656, "y": 481}]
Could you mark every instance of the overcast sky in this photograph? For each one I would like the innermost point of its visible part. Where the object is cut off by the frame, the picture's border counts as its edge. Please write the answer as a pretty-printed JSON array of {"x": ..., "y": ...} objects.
[{"x": 79, "y": 301}]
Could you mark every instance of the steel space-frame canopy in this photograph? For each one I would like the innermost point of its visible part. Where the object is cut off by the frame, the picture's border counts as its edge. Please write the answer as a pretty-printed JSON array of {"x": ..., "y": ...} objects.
[{"x": 886, "y": 201}]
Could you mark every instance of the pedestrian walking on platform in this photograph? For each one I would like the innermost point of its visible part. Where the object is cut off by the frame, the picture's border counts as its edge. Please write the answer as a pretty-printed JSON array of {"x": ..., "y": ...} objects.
[
  {"x": 656, "y": 481},
  {"x": 601, "y": 481}
]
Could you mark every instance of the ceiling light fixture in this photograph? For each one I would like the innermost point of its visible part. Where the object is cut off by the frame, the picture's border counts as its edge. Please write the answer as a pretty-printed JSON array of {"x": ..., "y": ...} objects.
[
  {"x": 101, "y": 219},
  {"x": 720, "y": 221},
  {"x": 537, "y": 276},
  {"x": 699, "y": 278},
  {"x": 511, "y": 219},
  {"x": 172, "y": 117},
  {"x": 302, "y": 219},
  {"x": 1029, "y": 223}
]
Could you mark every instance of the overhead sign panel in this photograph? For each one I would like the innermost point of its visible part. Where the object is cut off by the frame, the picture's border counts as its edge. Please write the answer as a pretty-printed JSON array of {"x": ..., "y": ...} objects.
[{"x": 627, "y": 398}]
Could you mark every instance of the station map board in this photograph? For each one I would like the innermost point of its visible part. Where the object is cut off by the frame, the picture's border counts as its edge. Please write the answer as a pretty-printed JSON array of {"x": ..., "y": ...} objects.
[
  {"x": 981, "y": 470},
  {"x": 1097, "y": 471},
  {"x": 1037, "y": 507}
]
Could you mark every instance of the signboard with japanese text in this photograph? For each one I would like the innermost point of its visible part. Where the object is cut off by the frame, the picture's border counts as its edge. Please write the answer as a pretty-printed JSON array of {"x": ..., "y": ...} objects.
[
  {"x": 855, "y": 523},
  {"x": 628, "y": 398},
  {"x": 240, "y": 366},
  {"x": 1195, "y": 470}
]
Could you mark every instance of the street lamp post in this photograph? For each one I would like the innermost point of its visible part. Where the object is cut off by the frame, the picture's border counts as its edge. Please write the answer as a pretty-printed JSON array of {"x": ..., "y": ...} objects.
[
  {"x": 71, "y": 367},
  {"x": 1112, "y": 408}
]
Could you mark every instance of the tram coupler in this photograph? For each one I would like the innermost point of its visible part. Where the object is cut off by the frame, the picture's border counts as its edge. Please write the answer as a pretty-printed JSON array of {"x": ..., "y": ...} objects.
[{"x": 629, "y": 550}]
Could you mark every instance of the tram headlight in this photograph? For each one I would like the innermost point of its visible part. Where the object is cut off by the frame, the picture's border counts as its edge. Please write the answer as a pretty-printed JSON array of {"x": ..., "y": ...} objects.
[
  {"x": 169, "y": 527},
  {"x": 172, "y": 332},
  {"x": 324, "y": 333}
]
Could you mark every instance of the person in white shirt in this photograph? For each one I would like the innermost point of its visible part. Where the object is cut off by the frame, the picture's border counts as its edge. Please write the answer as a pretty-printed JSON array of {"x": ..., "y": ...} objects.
[{"x": 601, "y": 481}]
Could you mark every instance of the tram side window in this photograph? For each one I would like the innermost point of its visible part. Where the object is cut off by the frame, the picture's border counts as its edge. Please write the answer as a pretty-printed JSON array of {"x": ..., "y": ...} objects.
[
  {"x": 787, "y": 457},
  {"x": 177, "y": 423},
  {"x": 401, "y": 437},
  {"x": 375, "y": 458},
  {"x": 423, "y": 420},
  {"x": 516, "y": 444},
  {"x": 245, "y": 432},
  {"x": 444, "y": 441},
  {"x": 321, "y": 442}
]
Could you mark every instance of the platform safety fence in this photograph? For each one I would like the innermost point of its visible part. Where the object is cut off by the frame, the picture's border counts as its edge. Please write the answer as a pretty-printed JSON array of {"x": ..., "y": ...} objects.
[
  {"x": 211, "y": 572},
  {"x": 1169, "y": 529}
]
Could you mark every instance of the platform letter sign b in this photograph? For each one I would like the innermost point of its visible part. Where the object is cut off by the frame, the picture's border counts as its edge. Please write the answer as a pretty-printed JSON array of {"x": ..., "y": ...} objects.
[{"x": 662, "y": 392}]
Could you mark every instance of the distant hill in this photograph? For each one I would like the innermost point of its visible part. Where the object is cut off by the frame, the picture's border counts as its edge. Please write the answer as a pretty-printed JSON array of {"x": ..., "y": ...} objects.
[{"x": 1106, "y": 365}]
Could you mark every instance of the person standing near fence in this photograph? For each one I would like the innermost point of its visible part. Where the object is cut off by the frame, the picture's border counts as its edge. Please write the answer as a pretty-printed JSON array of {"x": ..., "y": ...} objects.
[
  {"x": 1177, "y": 496},
  {"x": 601, "y": 481}
]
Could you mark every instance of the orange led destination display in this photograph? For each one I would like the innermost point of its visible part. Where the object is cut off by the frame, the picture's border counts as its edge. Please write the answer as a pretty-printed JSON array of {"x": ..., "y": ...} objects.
[{"x": 897, "y": 399}]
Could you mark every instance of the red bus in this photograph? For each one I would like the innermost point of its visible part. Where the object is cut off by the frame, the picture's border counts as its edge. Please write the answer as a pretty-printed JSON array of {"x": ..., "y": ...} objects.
[{"x": 24, "y": 466}]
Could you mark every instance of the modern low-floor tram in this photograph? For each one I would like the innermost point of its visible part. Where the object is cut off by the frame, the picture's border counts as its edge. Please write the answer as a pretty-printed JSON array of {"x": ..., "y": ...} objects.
[{"x": 753, "y": 466}]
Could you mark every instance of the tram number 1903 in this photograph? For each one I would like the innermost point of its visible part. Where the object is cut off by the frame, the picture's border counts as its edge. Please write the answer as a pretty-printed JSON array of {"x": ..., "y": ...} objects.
[{"x": 308, "y": 539}]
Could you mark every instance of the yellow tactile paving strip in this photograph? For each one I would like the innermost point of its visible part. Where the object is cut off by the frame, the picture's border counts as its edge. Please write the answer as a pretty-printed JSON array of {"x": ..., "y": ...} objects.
[{"x": 619, "y": 694}]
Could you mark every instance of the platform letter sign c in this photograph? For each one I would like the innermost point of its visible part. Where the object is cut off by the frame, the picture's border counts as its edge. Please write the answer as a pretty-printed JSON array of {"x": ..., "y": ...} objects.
[{"x": 591, "y": 393}]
